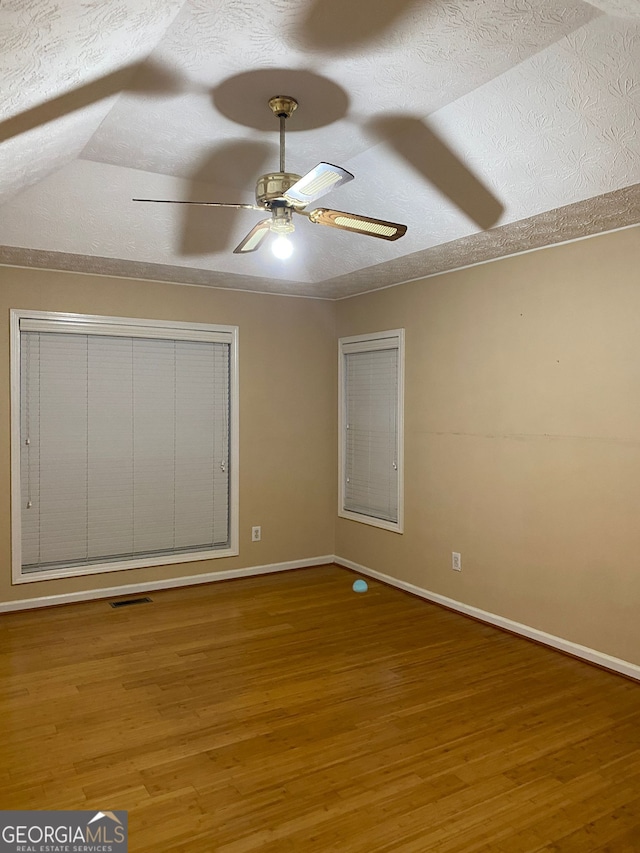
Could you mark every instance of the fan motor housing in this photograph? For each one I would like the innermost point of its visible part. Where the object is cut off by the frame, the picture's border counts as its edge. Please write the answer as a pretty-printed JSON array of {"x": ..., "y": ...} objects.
[{"x": 272, "y": 187}]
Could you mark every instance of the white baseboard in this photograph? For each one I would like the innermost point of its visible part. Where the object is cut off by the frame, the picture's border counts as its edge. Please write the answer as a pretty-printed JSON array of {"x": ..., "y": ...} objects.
[
  {"x": 150, "y": 586},
  {"x": 624, "y": 667}
]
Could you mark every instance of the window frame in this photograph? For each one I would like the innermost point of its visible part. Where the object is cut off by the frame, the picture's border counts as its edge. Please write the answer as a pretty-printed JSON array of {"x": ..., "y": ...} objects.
[
  {"x": 391, "y": 339},
  {"x": 99, "y": 324}
]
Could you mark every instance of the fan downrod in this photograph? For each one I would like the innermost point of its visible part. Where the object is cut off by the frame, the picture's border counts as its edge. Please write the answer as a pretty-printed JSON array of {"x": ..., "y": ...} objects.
[{"x": 282, "y": 106}]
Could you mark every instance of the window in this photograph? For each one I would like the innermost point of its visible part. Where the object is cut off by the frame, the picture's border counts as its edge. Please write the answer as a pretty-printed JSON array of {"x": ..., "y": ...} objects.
[
  {"x": 124, "y": 443},
  {"x": 371, "y": 371}
]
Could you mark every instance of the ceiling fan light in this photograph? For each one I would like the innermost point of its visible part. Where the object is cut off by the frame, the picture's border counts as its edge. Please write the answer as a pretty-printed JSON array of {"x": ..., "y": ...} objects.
[{"x": 282, "y": 247}]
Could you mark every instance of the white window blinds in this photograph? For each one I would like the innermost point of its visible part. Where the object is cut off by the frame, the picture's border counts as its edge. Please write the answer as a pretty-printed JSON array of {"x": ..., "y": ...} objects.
[
  {"x": 124, "y": 446},
  {"x": 371, "y": 442}
]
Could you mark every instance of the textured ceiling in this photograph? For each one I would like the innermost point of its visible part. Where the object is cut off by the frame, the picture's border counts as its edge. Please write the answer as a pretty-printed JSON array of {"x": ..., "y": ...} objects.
[{"x": 486, "y": 126}]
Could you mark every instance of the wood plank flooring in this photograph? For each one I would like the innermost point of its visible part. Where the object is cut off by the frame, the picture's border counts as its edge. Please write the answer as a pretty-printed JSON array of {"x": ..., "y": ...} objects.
[{"x": 287, "y": 713}]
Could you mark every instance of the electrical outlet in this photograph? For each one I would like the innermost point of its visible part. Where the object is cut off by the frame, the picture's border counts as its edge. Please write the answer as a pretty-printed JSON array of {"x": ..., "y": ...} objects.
[
  {"x": 456, "y": 561},
  {"x": 256, "y": 534}
]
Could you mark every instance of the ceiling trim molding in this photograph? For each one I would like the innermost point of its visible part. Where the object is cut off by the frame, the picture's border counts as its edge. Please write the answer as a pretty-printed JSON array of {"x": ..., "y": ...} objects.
[
  {"x": 18, "y": 256},
  {"x": 589, "y": 218},
  {"x": 493, "y": 260}
]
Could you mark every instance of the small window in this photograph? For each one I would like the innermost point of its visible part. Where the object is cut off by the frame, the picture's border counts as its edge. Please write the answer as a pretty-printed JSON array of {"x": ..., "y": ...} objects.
[
  {"x": 371, "y": 379},
  {"x": 124, "y": 436}
]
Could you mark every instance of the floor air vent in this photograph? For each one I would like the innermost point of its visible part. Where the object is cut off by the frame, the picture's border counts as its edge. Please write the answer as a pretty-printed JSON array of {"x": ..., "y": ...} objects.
[{"x": 129, "y": 601}]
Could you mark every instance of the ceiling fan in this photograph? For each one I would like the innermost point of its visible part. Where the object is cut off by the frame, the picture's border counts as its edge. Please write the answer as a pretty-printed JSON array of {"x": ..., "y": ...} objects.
[{"x": 284, "y": 193}]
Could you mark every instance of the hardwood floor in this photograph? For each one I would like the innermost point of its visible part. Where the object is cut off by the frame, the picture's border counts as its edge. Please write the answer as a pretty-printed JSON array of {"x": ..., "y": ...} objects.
[{"x": 287, "y": 713}]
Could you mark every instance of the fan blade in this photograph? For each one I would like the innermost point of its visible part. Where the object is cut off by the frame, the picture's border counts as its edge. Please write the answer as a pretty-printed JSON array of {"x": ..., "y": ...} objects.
[
  {"x": 318, "y": 182},
  {"x": 203, "y": 203},
  {"x": 254, "y": 238},
  {"x": 360, "y": 224}
]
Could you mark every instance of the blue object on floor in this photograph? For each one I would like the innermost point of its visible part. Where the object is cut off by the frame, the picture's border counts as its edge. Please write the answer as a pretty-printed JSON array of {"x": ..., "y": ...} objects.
[{"x": 360, "y": 586}]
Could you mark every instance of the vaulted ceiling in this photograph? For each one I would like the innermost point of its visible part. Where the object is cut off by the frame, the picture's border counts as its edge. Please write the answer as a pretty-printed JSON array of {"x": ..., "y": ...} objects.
[{"x": 488, "y": 127}]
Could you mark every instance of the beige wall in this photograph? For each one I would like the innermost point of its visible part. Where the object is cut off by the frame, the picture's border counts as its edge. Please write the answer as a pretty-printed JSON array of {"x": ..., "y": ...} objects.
[
  {"x": 287, "y": 412},
  {"x": 522, "y": 439},
  {"x": 522, "y": 432}
]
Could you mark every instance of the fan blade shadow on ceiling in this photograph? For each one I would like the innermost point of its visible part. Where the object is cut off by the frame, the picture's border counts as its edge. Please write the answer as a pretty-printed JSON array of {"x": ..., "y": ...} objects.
[
  {"x": 423, "y": 149},
  {"x": 336, "y": 25},
  {"x": 236, "y": 165},
  {"x": 145, "y": 78}
]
